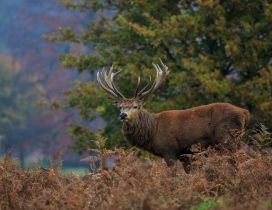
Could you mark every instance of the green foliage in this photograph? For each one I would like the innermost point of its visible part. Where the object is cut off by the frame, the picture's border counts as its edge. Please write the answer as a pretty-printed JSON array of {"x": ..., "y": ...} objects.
[
  {"x": 85, "y": 138},
  {"x": 216, "y": 51},
  {"x": 18, "y": 91},
  {"x": 261, "y": 137},
  {"x": 209, "y": 204},
  {"x": 10, "y": 103},
  {"x": 78, "y": 171}
]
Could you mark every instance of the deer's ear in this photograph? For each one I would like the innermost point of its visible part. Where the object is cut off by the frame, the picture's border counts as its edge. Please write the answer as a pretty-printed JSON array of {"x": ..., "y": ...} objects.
[
  {"x": 142, "y": 103},
  {"x": 144, "y": 99},
  {"x": 114, "y": 102}
]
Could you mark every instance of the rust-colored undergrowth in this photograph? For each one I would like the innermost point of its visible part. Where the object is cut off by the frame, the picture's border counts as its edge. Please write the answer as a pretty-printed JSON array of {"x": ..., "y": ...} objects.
[{"x": 238, "y": 180}]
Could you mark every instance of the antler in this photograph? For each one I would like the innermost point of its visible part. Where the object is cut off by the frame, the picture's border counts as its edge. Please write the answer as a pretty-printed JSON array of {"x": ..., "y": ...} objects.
[
  {"x": 106, "y": 82},
  {"x": 105, "y": 79},
  {"x": 157, "y": 82}
]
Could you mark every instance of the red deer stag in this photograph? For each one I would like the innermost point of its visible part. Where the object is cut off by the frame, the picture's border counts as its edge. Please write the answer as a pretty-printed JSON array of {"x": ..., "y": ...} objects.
[{"x": 170, "y": 134}]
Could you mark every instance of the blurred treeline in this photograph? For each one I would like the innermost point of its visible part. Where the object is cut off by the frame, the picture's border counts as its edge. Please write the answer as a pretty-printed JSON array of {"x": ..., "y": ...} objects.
[
  {"x": 216, "y": 51},
  {"x": 30, "y": 73}
]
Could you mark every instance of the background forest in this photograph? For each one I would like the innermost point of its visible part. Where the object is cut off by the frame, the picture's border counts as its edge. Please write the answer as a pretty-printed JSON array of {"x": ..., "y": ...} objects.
[
  {"x": 31, "y": 80},
  {"x": 216, "y": 51}
]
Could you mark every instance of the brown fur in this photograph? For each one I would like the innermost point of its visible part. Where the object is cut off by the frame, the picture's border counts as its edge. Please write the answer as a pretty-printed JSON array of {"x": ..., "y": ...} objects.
[{"x": 170, "y": 134}]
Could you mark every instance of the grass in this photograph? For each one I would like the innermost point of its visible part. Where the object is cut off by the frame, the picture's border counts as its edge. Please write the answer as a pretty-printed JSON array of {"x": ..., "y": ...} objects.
[
  {"x": 79, "y": 171},
  {"x": 209, "y": 204}
]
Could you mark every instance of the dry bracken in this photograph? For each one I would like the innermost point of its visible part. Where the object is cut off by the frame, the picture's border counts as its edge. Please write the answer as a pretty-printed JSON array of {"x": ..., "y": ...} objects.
[{"x": 238, "y": 180}]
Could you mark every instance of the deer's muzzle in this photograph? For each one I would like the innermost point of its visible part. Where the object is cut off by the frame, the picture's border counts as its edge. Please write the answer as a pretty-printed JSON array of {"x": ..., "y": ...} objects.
[{"x": 123, "y": 116}]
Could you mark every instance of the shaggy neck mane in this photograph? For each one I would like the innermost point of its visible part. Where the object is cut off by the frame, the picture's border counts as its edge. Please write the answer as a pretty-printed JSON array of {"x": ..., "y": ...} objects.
[{"x": 140, "y": 131}]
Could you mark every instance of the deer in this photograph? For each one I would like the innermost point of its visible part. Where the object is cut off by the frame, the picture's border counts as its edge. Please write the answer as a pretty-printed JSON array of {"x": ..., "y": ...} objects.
[{"x": 170, "y": 134}]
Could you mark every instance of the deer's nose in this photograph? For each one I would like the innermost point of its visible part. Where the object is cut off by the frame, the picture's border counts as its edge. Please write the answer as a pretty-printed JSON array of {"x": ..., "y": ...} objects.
[{"x": 123, "y": 115}]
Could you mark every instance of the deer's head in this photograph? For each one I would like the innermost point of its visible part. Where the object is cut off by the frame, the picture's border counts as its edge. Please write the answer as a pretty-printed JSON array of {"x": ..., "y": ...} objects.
[{"x": 129, "y": 107}]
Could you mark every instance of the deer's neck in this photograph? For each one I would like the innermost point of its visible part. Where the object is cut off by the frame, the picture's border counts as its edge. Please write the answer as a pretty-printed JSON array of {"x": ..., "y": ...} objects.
[{"x": 140, "y": 131}]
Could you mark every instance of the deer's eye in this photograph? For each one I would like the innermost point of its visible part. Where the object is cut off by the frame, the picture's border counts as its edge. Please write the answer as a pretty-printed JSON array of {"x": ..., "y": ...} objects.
[{"x": 135, "y": 107}]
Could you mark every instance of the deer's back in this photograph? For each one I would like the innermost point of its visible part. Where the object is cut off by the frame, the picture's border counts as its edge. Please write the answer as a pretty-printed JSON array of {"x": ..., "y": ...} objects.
[{"x": 186, "y": 127}]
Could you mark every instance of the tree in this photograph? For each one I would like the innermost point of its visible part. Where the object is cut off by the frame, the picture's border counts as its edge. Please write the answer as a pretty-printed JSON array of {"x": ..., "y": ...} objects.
[
  {"x": 217, "y": 51},
  {"x": 16, "y": 96}
]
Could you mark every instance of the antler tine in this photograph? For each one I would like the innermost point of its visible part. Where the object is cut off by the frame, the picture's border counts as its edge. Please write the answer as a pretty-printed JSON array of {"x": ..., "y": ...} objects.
[
  {"x": 165, "y": 68},
  {"x": 102, "y": 84},
  {"x": 144, "y": 88},
  {"x": 106, "y": 82},
  {"x": 158, "y": 80},
  {"x": 137, "y": 88},
  {"x": 109, "y": 80},
  {"x": 112, "y": 75}
]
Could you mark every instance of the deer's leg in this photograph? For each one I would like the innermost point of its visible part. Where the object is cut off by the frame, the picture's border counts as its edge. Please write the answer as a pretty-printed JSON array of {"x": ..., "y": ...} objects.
[
  {"x": 186, "y": 161},
  {"x": 170, "y": 159}
]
